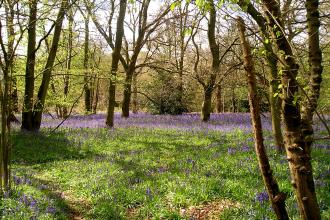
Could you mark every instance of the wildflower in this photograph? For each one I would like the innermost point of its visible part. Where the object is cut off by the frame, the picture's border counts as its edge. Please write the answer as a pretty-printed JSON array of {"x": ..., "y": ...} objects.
[
  {"x": 262, "y": 197},
  {"x": 17, "y": 180},
  {"x": 33, "y": 204},
  {"x": 231, "y": 150},
  {"x": 148, "y": 192},
  {"x": 245, "y": 148},
  {"x": 51, "y": 210}
]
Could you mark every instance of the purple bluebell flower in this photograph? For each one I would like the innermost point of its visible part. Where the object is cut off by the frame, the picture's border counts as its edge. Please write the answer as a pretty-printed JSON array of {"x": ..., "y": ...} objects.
[
  {"x": 245, "y": 148},
  {"x": 231, "y": 150},
  {"x": 33, "y": 204},
  {"x": 51, "y": 210},
  {"x": 17, "y": 180},
  {"x": 148, "y": 192},
  {"x": 261, "y": 197}
]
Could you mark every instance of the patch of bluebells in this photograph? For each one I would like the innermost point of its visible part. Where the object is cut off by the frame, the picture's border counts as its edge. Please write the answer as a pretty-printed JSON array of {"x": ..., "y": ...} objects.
[
  {"x": 224, "y": 122},
  {"x": 261, "y": 197}
]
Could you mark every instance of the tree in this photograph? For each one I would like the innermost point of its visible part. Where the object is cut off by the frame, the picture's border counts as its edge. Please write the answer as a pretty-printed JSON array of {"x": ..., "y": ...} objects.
[
  {"x": 115, "y": 62},
  {"x": 271, "y": 58},
  {"x": 8, "y": 46},
  {"x": 297, "y": 129},
  {"x": 277, "y": 198}
]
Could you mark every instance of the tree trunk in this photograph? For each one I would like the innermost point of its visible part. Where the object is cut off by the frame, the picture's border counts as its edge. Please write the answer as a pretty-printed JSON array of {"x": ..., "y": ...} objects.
[
  {"x": 68, "y": 64},
  {"x": 27, "y": 112},
  {"x": 88, "y": 92},
  {"x": 5, "y": 130},
  {"x": 96, "y": 96},
  {"x": 315, "y": 68},
  {"x": 275, "y": 111},
  {"x": 127, "y": 94},
  {"x": 277, "y": 198},
  {"x": 275, "y": 102},
  {"x": 233, "y": 100},
  {"x": 114, "y": 64},
  {"x": 40, "y": 102},
  {"x": 207, "y": 105},
  {"x": 219, "y": 108},
  {"x": 135, "y": 96},
  {"x": 214, "y": 47},
  {"x": 297, "y": 149}
]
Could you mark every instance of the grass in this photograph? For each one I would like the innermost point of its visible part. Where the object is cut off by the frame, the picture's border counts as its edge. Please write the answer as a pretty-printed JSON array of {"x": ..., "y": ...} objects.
[{"x": 141, "y": 173}]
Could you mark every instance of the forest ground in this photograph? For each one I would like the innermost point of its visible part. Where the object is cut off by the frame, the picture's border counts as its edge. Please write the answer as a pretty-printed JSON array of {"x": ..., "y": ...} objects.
[{"x": 150, "y": 167}]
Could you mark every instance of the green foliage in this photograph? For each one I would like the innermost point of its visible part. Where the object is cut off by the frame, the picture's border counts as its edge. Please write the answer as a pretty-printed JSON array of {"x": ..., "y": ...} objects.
[{"x": 164, "y": 92}]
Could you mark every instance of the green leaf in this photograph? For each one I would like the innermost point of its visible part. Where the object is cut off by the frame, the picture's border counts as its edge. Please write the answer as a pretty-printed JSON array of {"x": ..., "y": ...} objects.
[{"x": 174, "y": 5}]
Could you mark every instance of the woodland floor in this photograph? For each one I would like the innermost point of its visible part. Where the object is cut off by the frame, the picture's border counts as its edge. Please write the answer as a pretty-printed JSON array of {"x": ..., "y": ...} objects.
[{"x": 150, "y": 167}]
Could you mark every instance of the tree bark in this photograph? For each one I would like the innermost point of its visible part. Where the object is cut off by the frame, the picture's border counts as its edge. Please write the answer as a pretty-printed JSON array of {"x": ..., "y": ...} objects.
[
  {"x": 277, "y": 198},
  {"x": 207, "y": 105},
  {"x": 96, "y": 96},
  {"x": 5, "y": 131},
  {"x": 297, "y": 149},
  {"x": 275, "y": 101},
  {"x": 135, "y": 95},
  {"x": 315, "y": 68},
  {"x": 215, "y": 51},
  {"x": 40, "y": 102},
  {"x": 219, "y": 108},
  {"x": 27, "y": 112},
  {"x": 88, "y": 92},
  {"x": 69, "y": 59},
  {"x": 115, "y": 62}
]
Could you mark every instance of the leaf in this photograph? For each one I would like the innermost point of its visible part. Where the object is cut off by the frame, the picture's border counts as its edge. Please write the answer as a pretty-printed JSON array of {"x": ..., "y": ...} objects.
[{"x": 174, "y": 5}]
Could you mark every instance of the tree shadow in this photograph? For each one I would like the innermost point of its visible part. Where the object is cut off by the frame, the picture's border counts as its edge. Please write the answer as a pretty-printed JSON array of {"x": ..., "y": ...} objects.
[{"x": 44, "y": 147}]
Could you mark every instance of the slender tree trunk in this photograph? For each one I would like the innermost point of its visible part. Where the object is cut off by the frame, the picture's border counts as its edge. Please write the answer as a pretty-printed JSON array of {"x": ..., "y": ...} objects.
[
  {"x": 275, "y": 102},
  {"x": 68, "y": 64},
  {"x": 297, "y": 149},
  {"x": 135, "y": 96},
  {"x": 96, "y": 96},
  {"x": 27, "y": 112},
  {"x": 219, "y": 108},
  {"x": 315, "y": 68},
  {"x": 275, "y": 111},
  {"x": 277, "y": 198},
  {"x": 40, "y": 102},
  {"x": 233, "y": 100},
  {"x": 207, "y": 105},
  {"x": 88, "y": 92},
  {"x": 5, "y": 129},
  {"x": 114, "y": 64}
]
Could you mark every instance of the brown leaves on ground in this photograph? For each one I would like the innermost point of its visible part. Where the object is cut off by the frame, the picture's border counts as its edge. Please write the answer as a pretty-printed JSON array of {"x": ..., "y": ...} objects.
[
  {"x": 210, "y": 210},
  {"x": 206, "y": 211}
]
